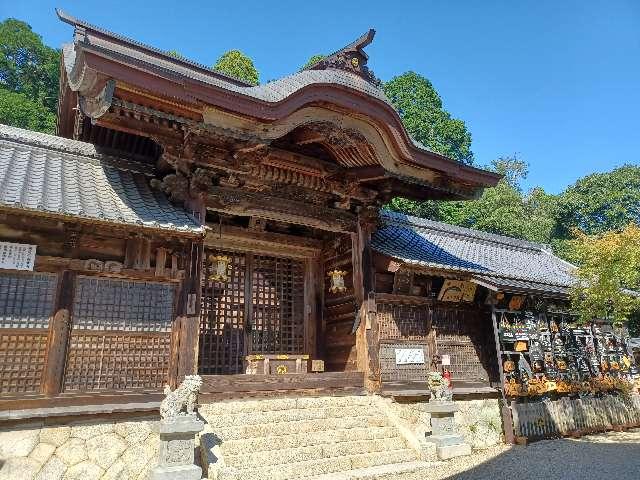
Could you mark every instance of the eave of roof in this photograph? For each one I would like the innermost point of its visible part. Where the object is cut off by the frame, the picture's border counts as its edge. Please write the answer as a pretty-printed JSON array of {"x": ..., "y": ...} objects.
[
  {"x": 495, "y": 261},
  {"x": 42, "y": 174}
]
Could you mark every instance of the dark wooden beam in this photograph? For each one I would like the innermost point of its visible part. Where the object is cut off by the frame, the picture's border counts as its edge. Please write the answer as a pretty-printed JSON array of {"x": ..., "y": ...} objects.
[{"x": 249, "y": 204}]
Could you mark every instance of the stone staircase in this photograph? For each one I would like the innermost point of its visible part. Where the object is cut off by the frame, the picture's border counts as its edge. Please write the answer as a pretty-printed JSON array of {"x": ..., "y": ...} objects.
[{"x": 315, "y": 438}]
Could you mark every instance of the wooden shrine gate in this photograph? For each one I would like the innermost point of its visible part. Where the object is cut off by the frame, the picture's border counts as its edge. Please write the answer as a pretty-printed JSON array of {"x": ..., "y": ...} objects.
[{"x": 259, "y": 309}]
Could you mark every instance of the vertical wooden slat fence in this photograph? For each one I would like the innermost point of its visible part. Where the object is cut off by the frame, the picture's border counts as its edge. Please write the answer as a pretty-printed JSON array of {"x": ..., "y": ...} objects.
[{"x": 567, "y": 416}]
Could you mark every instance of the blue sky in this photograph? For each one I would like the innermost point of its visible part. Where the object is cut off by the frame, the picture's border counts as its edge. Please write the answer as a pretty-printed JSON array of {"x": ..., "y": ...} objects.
[{"x": 558, "y": 82}]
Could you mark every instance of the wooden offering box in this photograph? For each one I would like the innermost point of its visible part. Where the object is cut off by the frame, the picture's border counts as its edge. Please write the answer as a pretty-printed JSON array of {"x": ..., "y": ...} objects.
[{"x": 269, "y": 364}]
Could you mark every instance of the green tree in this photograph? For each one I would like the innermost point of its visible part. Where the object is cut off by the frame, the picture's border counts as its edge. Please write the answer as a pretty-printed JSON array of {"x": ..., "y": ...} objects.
[
  {"x": 27, "y": 66},
  {"x": 313, "y": 60},
  {"x": 424, "y": 117},
  {"x": 17, "y": 110},
  {"x": 175, "y": 54},
  {"x": 608, "y": 273},
  {"x": 601, "y": 202},
  {"x": 504, "y": 209},
  {"x": 238, "y": 65}
]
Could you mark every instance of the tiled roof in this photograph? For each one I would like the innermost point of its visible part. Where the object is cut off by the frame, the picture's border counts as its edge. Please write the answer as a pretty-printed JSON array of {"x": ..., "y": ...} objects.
[
  {"x": 272, "y": 92},
  {"x": 45, "y": 173},
  {"x": 504, "y": 262}
]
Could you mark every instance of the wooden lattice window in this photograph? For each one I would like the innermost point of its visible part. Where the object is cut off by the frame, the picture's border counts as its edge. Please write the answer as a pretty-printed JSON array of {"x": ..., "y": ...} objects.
[
  {"x": 390, "y": 371},
  {"x": 466, "y": 336},
  {"x": 401, "y": 321},
  {"x": 27, "y": 301},
  {"x": 222, "y": 321},
  {"x": 121, "y": 335},
  {"x": 277, "y": 305}
]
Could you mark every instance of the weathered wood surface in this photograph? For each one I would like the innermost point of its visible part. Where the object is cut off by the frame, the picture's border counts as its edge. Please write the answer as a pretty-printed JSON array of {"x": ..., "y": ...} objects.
[
  {"x": 25, "y": 401},
  {"x": 241, "y": 384},
  {"x": 570, "y": 417}
]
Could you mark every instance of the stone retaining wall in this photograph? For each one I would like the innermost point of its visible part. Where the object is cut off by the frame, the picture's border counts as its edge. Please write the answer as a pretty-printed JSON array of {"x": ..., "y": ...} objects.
[
  {"x": 479, "y": 421},
  {"x": 89, "y": 449}
]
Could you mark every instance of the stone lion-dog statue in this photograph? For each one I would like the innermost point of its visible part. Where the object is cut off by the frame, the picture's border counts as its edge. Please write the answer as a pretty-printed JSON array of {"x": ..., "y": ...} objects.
[
  {"x": 182, "y": 400},
  {"x": 439, "y": 387}
]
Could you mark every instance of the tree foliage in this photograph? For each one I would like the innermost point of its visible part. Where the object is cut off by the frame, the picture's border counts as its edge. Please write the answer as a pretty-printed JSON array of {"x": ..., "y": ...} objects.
[
  {"x": 175, "y": 54},
  {"x": 17, "y": 110},
  {"x": 28, "y": 78},
  {"x": 609, "y": 271},
  {"x": 503, "y": 209},
  {"x": 601, "y": 202},
  {"x": 424, "y": 117},
  {"x": 313, "y": 60},
  {"x": 238, "y": 65}
]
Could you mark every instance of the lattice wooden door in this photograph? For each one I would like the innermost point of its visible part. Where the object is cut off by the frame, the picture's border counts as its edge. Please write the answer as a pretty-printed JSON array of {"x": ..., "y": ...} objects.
[
  {"x": 277, "y": 310},
  {"x": 258, "y": 309},
  {"x": 222, "y": 320}
]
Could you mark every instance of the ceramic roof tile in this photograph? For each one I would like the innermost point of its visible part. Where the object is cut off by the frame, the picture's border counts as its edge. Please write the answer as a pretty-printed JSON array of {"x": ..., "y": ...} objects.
[
  {"x": 45, "y": 173},
  {"x": 426, "y": 243}
]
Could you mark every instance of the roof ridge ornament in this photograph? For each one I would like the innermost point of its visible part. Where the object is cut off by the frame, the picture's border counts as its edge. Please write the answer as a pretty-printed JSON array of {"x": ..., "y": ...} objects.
[{"x": 351, "y": 58}]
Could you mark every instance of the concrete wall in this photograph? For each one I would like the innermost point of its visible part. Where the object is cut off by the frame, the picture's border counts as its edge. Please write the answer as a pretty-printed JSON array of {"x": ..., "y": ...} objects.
[{"x": 103, "y": 448}]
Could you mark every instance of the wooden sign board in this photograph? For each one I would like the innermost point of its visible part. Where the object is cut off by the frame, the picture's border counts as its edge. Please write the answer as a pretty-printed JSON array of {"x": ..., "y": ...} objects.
[
  {"x": 457, "y": 291},
  {"x": 17, "y": 256},
  {"x": 409, "y": 356}
]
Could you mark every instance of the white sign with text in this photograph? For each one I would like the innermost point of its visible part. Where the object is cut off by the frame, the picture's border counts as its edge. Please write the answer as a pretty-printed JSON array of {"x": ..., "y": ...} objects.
[
  {"x": 17, "y": 256},
  {"x": 409, "y": 356}
]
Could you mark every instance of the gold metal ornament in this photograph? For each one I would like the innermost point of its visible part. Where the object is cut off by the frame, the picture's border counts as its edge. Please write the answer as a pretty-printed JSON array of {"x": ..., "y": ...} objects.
[
  {"x": 281, "y": 369},
  {"x": 355, "y": 62},
  {"x": 219, "y": 264},
  {"x": 337, "y": 281}
]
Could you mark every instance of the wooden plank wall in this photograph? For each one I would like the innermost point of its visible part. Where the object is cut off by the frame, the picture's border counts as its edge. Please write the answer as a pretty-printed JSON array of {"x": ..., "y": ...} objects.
[{"x": 217, "y": 387}]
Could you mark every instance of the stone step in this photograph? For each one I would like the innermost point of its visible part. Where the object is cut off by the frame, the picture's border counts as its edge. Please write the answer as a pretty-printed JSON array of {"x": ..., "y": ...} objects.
[
  {"x": 258, "y": 444},
  {"x": 393, "y": 471},
  {"x": 277, "y": 404},
  {"x": 282, "y": 416},
  {"x": 278, "y": 456},
  {"x": 312, "y": 468},
  {"x": 234, "y": 432}
]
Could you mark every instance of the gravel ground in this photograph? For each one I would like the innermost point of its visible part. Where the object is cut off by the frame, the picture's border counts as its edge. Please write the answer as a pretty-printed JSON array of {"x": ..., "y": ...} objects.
[{"x": 607, "y": 456}]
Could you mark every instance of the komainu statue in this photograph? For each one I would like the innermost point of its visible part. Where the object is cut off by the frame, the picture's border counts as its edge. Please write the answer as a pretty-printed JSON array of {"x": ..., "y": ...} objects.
[
  {"x": 439, "y": 387},
  {"x": 182, "y": 400}
]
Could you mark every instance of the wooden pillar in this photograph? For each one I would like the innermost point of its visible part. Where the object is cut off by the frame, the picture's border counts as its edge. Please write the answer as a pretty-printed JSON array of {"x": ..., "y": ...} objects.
[
  {"x": 507, "y": 420},
  {"x": 366, "y": 334},
  {"x": 59, "y": 330},
  {"x": 189, "y": 311}
]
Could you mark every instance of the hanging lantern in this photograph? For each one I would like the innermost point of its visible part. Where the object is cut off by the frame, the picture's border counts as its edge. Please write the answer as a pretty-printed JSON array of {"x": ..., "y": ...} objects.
[
  {"x": 219, "y": 265},
  {"x": 337, "y": 281}
]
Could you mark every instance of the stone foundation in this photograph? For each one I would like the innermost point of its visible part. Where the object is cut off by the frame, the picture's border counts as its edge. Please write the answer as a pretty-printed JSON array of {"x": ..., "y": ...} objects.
[
  {"x": 479, "y": 421},
  {"x": 104, "y": 448}
]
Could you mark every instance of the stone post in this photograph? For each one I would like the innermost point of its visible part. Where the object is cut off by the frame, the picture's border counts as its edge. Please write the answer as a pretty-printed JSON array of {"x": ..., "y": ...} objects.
[
  {"x": 177, "y": 444},
  {"x": 444, "y": 431},
  {"x": 178, "y": 429}
]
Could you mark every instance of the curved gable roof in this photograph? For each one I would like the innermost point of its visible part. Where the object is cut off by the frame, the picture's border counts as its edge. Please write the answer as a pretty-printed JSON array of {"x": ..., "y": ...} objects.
[{"x": 97, "y": 56}]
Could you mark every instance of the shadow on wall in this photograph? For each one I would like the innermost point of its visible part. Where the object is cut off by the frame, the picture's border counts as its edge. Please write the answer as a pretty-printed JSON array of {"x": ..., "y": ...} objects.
[{"x": 592, "y": 459}]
